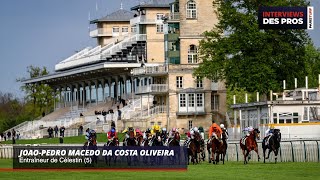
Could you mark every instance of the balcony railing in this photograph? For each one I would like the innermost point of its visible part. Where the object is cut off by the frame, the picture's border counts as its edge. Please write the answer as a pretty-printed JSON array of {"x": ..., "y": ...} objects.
[
  {"x": 175, "y": 16},
  {"x": 141, "y": 20},
  {"x": 153, "y": 88},
  {"x": 161, "y": 69},
  {"x": 99, "y": 32}
]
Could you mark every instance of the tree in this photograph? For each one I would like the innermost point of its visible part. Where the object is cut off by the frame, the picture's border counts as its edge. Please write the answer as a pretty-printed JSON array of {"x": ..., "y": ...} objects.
[
  {"x": 246, "y": 57},
  {"x": 41, "y": 95}
]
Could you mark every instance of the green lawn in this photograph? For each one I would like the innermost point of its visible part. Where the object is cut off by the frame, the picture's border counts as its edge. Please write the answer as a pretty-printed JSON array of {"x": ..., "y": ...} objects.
[
  {"x": 67, "y": 140},
  {"x": 231, "y": 170}
]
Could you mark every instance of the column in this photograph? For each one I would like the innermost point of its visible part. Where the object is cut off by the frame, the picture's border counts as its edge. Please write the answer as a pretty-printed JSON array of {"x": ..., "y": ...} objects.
[
  {"x": 90, "y": 89},
  {"x": 60, "y": 98},
  {"x": 109, "y": 86},
  {"x": 116, "y": 87},
  {"x": 83, "y": 94},
  {"x": 96, "y": 83},
  {"x": 103, "y": 85},
  {"x": 65, "y": 95},
  {"x": 71, "y": 95},
  {"x": 78, "y": 94},
  {"x": 54, "y": 98}
]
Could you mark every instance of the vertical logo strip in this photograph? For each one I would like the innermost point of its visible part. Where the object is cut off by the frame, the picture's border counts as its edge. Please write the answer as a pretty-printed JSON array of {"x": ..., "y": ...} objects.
[{"x": 310, "y": 20}]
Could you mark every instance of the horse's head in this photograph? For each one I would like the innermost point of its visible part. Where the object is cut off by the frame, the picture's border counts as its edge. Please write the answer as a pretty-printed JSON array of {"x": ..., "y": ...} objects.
[
  {"x": 131, "y": 134},
  {"x": 256, "y": 133},
  {"x": 197, "y": 136},
  {"x": 277, "y": 134},
  {"x": 177, "y": 136},
  {"x": 115, "y": 141}
]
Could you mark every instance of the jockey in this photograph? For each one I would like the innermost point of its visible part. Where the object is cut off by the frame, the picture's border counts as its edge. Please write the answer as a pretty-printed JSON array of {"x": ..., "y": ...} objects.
[
  {"x": 214, "y": 128},
  {"x": 138, "y": 132},
  {"x": 247, "y": 131},
  {"x": 201, "y": 130},
  {"x": 195, "y": 129},
  {"x": 127, "y": 132},
  {"x": 147, "y": 134},
  {"x": 269, "y": 134},
  {"x": 164, "y": 135},
  {"x": 172, "y": 132},
  {"x": 90, "y": 134},
  {"x": 155, "y": 129},
  {"x": 111, "y": 134},
  {"x": 224, "y": 130}
]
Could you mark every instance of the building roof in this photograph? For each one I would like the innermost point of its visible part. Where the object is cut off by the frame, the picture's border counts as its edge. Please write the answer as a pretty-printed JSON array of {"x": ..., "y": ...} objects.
[
  {"x": 153, "y": 4},
  {"x": 120, "y": 15}
]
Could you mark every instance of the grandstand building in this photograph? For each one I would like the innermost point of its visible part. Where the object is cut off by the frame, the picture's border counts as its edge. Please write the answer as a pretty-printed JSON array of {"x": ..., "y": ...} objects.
[{"x": 145, "y": 56}]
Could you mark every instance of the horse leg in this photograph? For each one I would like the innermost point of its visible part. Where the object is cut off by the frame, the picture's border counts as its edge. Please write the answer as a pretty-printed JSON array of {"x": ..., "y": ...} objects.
[
  {"x": 256, "y": 150},
  {"x": 276, "y": 155},
  {"x": 245, "y": 154},
  {"x": 209, "y": 153},
  {"x": 217, "y": 158},
  {"x": 264, "y": 154},
  {"x": 270, "y": 150}
]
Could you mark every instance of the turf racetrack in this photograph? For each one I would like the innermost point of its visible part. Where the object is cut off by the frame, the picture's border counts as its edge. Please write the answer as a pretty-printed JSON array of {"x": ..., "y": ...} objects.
[{"x": 203, "y": 171}]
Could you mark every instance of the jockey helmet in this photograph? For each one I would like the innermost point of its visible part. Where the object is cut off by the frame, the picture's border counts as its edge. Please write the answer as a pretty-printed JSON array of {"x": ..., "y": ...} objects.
[
  {"x": 156, "y": 128},
  {"x": 164, "y": 129},
  {"x": 174, "y": 129},
  {"x": 221, "y": 126},
  {"x": 195, "y": 129},
  {"x": 113, "y": 130},
  {"x": 191, "y": 131}
]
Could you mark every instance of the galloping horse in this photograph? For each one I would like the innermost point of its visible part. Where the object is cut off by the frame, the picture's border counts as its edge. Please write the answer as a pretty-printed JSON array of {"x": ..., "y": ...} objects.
[
  {"x": 194, "y": 148},
  {"x": 250, "y": 144},
  {"x": 175, "y": 141},
  {"x": 217, "y": 147},
  {"x": 225, "y": 144},
  {"x": 131, "y": 140},
  {"x": 273, "y": 144},
  {"x": 113, "y": 142},
  {"x": 156, "y": 140},
  {"x": 91, "y": 145}
]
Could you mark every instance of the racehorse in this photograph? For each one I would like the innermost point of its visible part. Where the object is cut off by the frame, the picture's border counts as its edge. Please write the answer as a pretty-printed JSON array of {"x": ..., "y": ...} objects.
[
  {"x": 113, "y": 142},
  {"x": 250, "y": 144},
  {"x": 156, "y": 140},
  {"x": 91, "y": 144},
  {"x": 175, "y": 141},
  {"x": 194, "y": 148},
  {"x": 273, "y": 145},
  {"x": 217, "y": 147},
  {"x": 131, "y": 140},
  {"x": 225, "y": 144}
]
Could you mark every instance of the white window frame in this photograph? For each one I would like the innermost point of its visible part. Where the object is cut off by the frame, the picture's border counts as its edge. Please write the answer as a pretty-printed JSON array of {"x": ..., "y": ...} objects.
[
  {"x": 191, "y": 102},
  {"x": 192, "y": 54},
  {"x": 159, "y": 16},
  {"x": 159, "y": 28},
  {"x": 133, "y": 29},
  {"x": 200, "y": 98},
  {"x": 123, "y": 28},
  {"x": 191, "y": 10},
  {"x": 115, "y": 27},
  {"x": 179, "y": 81},
  {"x": 199, "y": 82},
  {"x": 182, "y": 101}
]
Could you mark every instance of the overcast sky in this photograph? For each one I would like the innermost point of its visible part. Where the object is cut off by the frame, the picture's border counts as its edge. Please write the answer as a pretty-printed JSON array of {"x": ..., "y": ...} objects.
[{"x": 44, "y": 32}]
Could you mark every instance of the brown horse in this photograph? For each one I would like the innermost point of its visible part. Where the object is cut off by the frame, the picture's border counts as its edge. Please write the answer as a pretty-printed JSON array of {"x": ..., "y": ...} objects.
[
  {"x": 250, "y": 144},
  {"x": 217, "y": 147},
  {"x": 194, "y": 148},
  {"x": 131, "y": 140},
  {"x": 114, "y": 142},
  {"x": 175, "y": 141}
]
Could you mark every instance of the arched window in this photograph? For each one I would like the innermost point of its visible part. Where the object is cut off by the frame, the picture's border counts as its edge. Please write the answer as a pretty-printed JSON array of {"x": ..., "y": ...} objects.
[
  {"x": 191, "y": 10},
  {"x": 192, "y": 54}
]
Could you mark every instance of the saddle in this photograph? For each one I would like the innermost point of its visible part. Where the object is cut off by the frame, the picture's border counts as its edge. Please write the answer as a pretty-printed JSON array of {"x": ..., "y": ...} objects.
[
  {"x": 187, "y": 143},
  {"x": 243, "y": 140}
]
